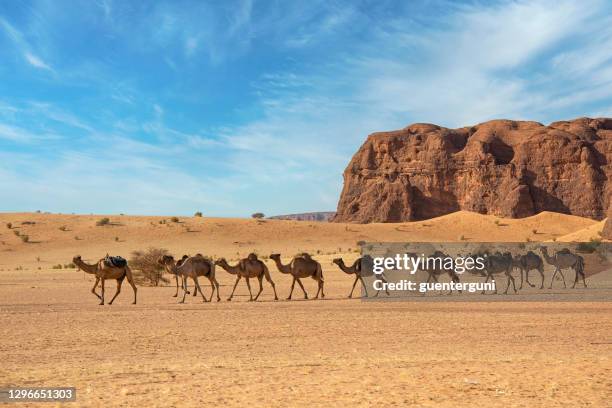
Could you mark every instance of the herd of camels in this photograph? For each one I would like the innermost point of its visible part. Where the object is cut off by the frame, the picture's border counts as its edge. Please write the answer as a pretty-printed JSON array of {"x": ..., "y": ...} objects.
[{"x": 304, "y": 266}]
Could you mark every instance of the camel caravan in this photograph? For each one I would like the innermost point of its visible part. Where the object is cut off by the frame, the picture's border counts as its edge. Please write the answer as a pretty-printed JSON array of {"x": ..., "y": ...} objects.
[{"x": 304, "y": 266}]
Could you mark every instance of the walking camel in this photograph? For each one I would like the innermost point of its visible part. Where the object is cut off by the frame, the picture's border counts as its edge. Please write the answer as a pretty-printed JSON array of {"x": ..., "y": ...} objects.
[
  {"x": 249, "y": 267},
  {"x": 357, "y": 268},
  {"x": 193, "y": 267},
  {"x": 564, "y": 259},
  {"x": 301, "y": 266},
  {"x": 526, "y": 263},
  {"x": 495, "y": 264},
  {"x": 103, "y": 271},
  {"x": 435, "y": 269}
]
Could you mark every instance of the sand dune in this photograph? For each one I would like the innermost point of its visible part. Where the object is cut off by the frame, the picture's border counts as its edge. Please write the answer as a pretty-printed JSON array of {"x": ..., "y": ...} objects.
[
  {"x": 55, "y": 238},
  {"x": 584, "y": 234}
]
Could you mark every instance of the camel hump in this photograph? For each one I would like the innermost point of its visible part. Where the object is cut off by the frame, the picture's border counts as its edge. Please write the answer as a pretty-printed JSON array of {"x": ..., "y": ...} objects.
[
  {"x": 252, "y": 257},
  {"x": 564, "y": 251},
  {"x": 304, "y": 255}
]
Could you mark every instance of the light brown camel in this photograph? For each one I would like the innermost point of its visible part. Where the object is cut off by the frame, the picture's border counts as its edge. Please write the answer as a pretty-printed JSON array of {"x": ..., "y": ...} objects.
[
  {"x": 564, "y": 259},
  {"x": 102, "y": 272},
  {"x": 249, "y": 267},
  {"x": 193, "y": 267},
  {"x": 358, "y": 269},
  {"x": 301, "y": 266},
  {"x": 526, "y": 263}
]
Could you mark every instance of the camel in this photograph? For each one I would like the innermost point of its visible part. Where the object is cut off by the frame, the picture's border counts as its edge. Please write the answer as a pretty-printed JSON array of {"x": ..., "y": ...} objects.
[
  {"x": 564, "y": 259},
  {"x": 301, "y": 266},
  {"x": 103, "y": 272},
  {"x": 249, "y": 267},
  {"x": 500, "y": 263},
  {"x": 435, "y": 270},
  {"x": 360, "y": 272},
  {"x": 192, "y": 267},
  {"x": 526, "y": 263}
]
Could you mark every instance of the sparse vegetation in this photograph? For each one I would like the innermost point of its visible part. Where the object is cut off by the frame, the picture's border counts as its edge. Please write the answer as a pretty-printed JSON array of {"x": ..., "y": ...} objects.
[
  {"x": 70, "y": 266},
  {"x": 258, "y": 215},
  {"x": 174, "y": 219},
  {"x": 527, "y": 239},
  {"x": 76, "y": 238},
  {"x": 28, "y": 223},
  {"x": 462, "y": 238},
  {"x": 116, "y": 239},
  {"x": 9, "y": 225},
  {"x": 535, "y": 231},
  {"x": 197, "y": 214},
  {"x": 63, "y": 228},
  {"x": 58, "y": 266},
  {"x": 24, "y": 238},
  {"x": 360, "y": 243},
  {"x": 146, "y": 269},
  {"x": 589, "y": 247},
  {"x": 103, "y": 221},
  {"x": 16, "y": 232}
]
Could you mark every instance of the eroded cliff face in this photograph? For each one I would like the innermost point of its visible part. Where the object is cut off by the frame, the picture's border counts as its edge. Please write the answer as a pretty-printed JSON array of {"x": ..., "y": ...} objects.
[{"x": 502, "y": 167}]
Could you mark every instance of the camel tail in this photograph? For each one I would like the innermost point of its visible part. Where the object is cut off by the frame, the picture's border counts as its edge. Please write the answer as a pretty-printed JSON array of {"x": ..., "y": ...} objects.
[
  {"x": 580, "y": 266},
  {"x": 320, "y": 272}
]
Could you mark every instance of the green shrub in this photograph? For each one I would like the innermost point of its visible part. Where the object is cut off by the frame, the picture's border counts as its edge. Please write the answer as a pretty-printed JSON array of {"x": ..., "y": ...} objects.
[{"x": 258, "y": 215}]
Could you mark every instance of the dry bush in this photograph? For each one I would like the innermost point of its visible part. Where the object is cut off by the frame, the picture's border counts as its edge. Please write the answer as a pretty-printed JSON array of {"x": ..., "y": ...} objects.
[
  {"x": 174, "y": 219},
  {"x": 146, "y": 269},
  {"x": 103, "y": 221},
  {"x": 25, "y": 238},
  {"x": 9, "y": 225}
]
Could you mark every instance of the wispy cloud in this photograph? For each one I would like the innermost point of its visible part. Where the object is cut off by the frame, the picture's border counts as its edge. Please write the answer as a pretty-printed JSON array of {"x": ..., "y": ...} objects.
[{"x": 36, "y": 61}]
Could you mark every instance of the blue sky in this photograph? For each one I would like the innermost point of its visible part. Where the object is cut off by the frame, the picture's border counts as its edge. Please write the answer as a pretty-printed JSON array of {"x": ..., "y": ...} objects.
[{"x": 233, "y": 107}]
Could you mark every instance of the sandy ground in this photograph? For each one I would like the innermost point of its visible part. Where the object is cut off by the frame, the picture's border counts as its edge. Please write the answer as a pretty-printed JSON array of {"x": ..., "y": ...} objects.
[{"x": 301, "y": 353}]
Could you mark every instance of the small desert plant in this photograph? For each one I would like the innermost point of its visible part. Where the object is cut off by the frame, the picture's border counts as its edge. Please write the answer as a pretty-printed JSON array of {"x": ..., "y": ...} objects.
[
  {"x": 147, "y": 270},
  {"x": 58, "y": 266},
  {"x": 360, "y": 243},
  {"x": 24, "y": 238},
  {"x": 527, "y": 239},
  {"x": 38, "y": 259},
  {"x": 9, "y": 225},
  {"x": 28, "y": 223},
  {"x": 174, "y": 219},
  {"x": 497, "y": 222},
  {"x": 589, "y": 247},
  {"x": 162, "y": 221},
  {"x": 63, "y": 228},
  {"x": 257, "y": 215},
  {"x": 554, "y": 239},
  {"x": 197, "y": 214},
  {"x": 76, "y": 238},
  {"x": 16, "y": 232},
  {"x": 462, "y": 238},
  {"x": 103, "y": 221},
  {"x": 116, "y": 239},
  {"x": 535, "y": 231}
]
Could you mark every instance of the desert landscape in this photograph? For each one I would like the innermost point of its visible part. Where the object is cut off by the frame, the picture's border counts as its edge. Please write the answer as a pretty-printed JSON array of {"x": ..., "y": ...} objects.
[{"x": 288, "y": 353}]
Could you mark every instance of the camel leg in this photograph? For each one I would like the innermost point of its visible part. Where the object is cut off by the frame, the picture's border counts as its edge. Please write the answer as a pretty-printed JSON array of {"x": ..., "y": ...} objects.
[
  {"x": 541, "y": 270},
  {"x": 199, "y": 289},
  {"x": 521, "y": 270},
  {"x": 486, "y": 280},
  {"x": 93, "y": 290},
  {"x": 130, "y": 278},
  {"x": 217, "y": 287},
  {"x": 229, "y": 299},
  {"x": 249, "y": 286},
  {"x": 553, "y": 278},
  {"x": 119, "y": 283},
  {"x": 527, "y": 278},
  {"x": 176, "y": 280},
  {"x": 365, "y": 287},
  {"x": 384, "y": 280},
  {"x": 102, "y": 291},
  {"x": 213, "y": 287},
  {"x": 260, "y": 279},
  {"x": 320, "y": 289},
  {"x": 195, "y": 290},
  {"x": 184, "y": 289},
  {"x": 302, "y": 286},
  {"x": 292, "y": 286},
  {"x": 269, "y": 279},
  {"x": 563, "y": 277},
  {"x": 353, "y": 288},
  {"x": 510, "y": 279}
]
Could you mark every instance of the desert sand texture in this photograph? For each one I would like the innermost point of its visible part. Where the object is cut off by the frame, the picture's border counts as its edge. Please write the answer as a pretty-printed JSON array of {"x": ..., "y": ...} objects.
[{"x": 336, "y": 351}]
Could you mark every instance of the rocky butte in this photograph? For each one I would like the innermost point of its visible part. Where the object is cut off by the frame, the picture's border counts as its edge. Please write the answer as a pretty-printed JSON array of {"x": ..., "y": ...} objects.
[{"x": 502, "y": 167}]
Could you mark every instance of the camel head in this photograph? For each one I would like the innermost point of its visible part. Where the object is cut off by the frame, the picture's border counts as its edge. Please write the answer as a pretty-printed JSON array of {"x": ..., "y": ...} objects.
[
  {"x": 276, "y": 257},
  {"x": 221, "y": 262},
  {"x": 338, "y": 261},
  {"x": 77, "y": 258},
  {"x": 166, "y": 260}
]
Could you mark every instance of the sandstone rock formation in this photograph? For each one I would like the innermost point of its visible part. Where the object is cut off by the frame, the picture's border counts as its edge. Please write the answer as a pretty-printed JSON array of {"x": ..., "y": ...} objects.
[{"x": 502, "y": 167}]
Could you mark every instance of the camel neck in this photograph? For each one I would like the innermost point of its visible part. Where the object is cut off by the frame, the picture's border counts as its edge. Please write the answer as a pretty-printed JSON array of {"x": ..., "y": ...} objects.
[
  {"x": 282, "y": 268},
  {"x": 86, "y": 267},
  {"x": 234, "y": 270}
]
